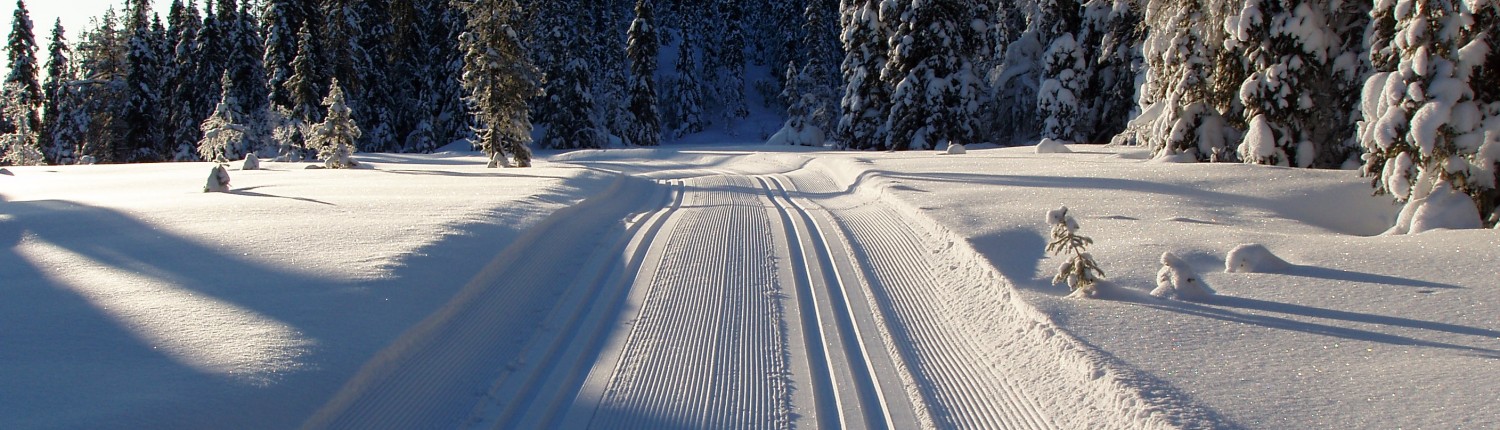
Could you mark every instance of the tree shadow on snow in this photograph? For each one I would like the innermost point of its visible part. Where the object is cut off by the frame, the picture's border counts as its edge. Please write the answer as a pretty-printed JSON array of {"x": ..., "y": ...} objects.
[
  {"x": 1016, "y": 253},
  {"x": 1232, "y": 309},
  {"x": 246, "y": 192},
  {"x": 1362, "y": 277}
]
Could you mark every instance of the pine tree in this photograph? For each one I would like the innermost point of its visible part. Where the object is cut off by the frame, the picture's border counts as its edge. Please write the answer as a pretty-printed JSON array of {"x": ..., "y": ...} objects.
[
  {"x": 223, "y": 132},
  {"x": 54, "y": 91},
  {"x": 689, "y": 88},
  {"x": 932, "y": 77},
  {"x": 335, "y": 137},
  {"x": 500, "y": 78},
  {"x": 645, "y": 129},
  {"x": 865, "y": 104},
  {"x": 22, "y": 91}
]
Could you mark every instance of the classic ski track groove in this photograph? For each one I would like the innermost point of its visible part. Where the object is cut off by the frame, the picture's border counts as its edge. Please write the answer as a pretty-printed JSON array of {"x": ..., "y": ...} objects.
[
  {"x": 706, "y": 347},
  {"x": 863, "y": 376},
  {"x": 956, "y": 385}
]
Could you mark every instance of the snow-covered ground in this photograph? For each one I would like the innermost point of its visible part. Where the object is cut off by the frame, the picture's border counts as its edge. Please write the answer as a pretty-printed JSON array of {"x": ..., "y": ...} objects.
[{"x": 730, "y": 287}]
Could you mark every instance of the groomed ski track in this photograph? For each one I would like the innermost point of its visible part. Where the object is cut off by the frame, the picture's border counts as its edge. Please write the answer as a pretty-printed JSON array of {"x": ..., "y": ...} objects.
[{"x": 757, "y": 291}]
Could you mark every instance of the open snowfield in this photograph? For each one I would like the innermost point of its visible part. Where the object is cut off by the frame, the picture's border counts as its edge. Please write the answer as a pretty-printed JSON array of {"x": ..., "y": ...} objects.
[{"x": 730, "y": 287}]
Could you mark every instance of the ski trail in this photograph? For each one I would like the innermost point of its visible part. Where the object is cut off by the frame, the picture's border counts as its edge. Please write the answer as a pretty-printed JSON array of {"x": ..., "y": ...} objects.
[
  {"x": 906, "y": 271},
  {"x": 839, "y": 328},
  {"x": 434, "y": 373},
  {"x": 706, "y": 345},
  {"x": 533, "y": 395}
]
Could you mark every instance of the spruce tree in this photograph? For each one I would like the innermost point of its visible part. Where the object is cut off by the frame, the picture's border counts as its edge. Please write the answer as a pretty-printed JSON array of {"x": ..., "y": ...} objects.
[
  {"x": 689, "y": 88},
  {"x": 143, "y": 93},
  {"x": 645, "y": 127},
  {"x": 1286, "y": 62},
  {"x": 335, "y": 137},
  {"x": 1423, "y": 129},
  {"x": 21, "y": 87},
  {"x": 183, "y": 105},
  {"x": 865, "y": 104},
  {"x": 1118, "y": 23},
  {"x": 500, "y": 79},
  {"x": 224, "y": 132},
  {"x": 933, "y": 81},
  {"x": 303, "y": 107},
  {"x": 732, "y": 56},
  {"x": 283, "y": 21},
  {"x": 54, "y": 91}
]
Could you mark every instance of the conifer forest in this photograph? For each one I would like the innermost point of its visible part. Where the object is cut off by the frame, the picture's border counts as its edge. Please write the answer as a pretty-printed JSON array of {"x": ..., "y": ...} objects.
[{"x": 1405, "y": 91}]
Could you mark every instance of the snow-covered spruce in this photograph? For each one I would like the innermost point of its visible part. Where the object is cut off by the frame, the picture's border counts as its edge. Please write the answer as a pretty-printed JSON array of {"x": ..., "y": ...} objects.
[
  {"x": 334, "y": 138},
  {"x": 218, "y": 180},
  {"x": 223, "y": 132},
  {"x": 1079, "y": 271},
  {"x": 1424, "y": 130},
  {"x": 500, "y": 79},
  {"x": 1176, "y": 280}
]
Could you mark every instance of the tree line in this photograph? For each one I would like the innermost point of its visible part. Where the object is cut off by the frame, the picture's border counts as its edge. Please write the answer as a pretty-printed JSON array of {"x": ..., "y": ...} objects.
[{"x": 1407, "y": 91}]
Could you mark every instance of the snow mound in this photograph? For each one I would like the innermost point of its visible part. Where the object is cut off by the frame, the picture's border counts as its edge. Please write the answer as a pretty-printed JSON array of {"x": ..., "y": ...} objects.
[
  {"x": 251, "y": 162},
  {"x": 1444, "y": 208},
  {"x": 1253, "y": 258},
  {"x": 1049, "y": 146},
  {"x": 218, "y": 180},
  {"x": 957, "y": 149},
  {"x": 810, "y": 135},
  {"x": 1176, "y": 280}
]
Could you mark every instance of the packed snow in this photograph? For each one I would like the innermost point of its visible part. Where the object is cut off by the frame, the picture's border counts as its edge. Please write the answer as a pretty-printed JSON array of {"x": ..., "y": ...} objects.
[{"x": 913, "y": 288}]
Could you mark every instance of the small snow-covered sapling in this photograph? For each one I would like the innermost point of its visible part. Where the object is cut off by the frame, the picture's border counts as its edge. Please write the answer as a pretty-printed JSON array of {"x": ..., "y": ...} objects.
[
  {"x": 1176, "y": 280},
  {"x": 1079, "y": 271},
  {"x": 218, "y": 180}
]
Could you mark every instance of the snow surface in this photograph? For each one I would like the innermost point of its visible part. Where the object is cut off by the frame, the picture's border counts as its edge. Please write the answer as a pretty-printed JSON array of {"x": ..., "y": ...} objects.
[{"x": 730, "y": 286}]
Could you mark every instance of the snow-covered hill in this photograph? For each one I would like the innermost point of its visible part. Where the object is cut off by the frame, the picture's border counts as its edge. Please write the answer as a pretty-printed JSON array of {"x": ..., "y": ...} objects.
[{"x": 914, "y": 284}]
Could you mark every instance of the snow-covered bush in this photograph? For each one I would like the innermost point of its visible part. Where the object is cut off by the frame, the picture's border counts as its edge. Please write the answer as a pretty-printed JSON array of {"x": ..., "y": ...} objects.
[
  {"x": 1253, "y": 258},
  {"x": 1176, "y": 280},
  {"x": 1049, "y": 146},
  {"x": 218, "y": 180},
  {"x": 1079, "y": 272},
  {"x": 251, "y": 162},
  {"x": 334, "y": 137}
]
